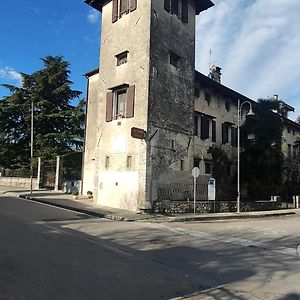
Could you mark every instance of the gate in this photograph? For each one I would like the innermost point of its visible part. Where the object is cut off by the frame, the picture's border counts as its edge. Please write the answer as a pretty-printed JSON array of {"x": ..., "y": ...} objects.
[{"x": 48, "y": 174}]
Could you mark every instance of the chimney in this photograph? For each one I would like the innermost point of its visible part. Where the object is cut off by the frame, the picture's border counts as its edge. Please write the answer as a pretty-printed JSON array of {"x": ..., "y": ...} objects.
[{"x": 215, "y": 73}]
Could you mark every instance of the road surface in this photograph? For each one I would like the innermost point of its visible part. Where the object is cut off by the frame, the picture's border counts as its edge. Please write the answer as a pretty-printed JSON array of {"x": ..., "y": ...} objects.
[{"x": 51, "y": 253}]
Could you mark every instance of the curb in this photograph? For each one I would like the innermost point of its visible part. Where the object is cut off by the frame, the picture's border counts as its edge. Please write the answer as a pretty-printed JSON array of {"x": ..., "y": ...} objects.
[{"x": 215, "y": 218}]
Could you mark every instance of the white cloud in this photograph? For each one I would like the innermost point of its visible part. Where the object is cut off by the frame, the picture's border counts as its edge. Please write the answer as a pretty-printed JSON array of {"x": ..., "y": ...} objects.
[
  {"x": 256, "y": 42},
  {"x": 93, "y": 16},
  {"x": 8, "y": 73}
]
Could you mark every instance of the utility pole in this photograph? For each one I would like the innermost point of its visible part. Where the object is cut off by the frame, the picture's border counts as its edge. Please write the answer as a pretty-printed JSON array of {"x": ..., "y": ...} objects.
[{"x": 31, "y": 150}]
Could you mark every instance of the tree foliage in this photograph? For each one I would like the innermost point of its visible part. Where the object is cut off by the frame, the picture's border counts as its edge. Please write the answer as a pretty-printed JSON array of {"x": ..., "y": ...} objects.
[
  {"x": 58, "y": 125},
  {"x": 261, "y": 157},
  {"x": 220, "y": 161}
]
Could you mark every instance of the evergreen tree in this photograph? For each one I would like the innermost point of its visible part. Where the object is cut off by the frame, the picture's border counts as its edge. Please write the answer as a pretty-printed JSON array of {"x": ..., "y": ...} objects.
[
  {"x": 58, "y": 125},
  {"x": 261, "y": 158}
]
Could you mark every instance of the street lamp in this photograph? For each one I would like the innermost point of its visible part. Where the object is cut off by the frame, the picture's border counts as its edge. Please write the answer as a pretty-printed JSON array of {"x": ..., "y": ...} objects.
[
  {"x": 31, "y": 150},
  {"x": 250, "y": 113}
]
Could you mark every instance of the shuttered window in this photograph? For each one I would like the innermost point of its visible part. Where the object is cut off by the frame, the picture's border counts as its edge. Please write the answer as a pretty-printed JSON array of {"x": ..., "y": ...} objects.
[
  {"x": 133, "y": 5},
  {"x": 214, "y": 131},
  {"x": 174, "y": 7},
  {"x": 115, "y": 10},
  {"x": 204, "y": 128},
  {"x": 167, "y": 5},
  {"x": 234, "y": 137},
  {"x": 124, "y": 6},
  {"x": 121, "y": 7},
  {"x": 224, "y": 134},
  {"x": 185, "y": 11},
  {"x": 120, "y": 103},
  {"x": 109, "y": 106},
  {"x": 130, "y": 102}
]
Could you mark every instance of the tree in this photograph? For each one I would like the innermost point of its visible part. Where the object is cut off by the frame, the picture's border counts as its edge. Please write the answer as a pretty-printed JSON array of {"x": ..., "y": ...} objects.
[
  {"x": 298, "y": 120},
  {"x": 261, "y": 158},
  {"x": 58, "y": 125}
]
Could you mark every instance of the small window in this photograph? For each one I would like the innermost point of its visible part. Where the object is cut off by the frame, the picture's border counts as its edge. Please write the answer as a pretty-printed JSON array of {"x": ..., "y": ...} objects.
[
  {"x": 207, "y": 98},
  {"x": 107, "y": 162},
  {"x": 129, "y": 162},
  {"x": 172, "y": 144},
  {"x": 197, "y": 92},
  {"x": 119, "y": 104},
  {"x": 227, "y": 105},
  {"x": 174, "y": 60},
  {"x": 289, "y": 130},
  {"x": 208, "y": 168},
  {"x": 181, "y": 165},
  {"x": 122, "y": 58}
]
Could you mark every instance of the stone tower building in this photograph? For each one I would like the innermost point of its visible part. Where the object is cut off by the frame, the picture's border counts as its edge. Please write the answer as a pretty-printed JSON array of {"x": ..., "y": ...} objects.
[{"x": 145, "y": 81}]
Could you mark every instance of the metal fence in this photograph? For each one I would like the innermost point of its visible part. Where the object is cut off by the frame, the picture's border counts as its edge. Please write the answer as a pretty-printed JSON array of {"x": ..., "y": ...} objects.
[{"x": 179, "y": 191}]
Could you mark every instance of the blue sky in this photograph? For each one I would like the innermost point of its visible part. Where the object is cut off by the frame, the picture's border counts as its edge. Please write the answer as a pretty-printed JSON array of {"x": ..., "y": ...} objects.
[{"x": 256, "y": 42}]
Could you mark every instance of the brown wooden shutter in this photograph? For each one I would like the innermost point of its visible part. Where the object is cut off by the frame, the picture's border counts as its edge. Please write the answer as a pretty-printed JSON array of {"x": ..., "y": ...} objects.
[
  {"x": 204, "y": 128},
  {"x": 185, "y": 11},
  {"x": 224, "y": 134},
  {"x": 124, "y": 6},
  {"x": 133, "y": 5},
  {"x": 233, "y": 136},
  {"x": 167, "y": 5},
  {"x": 115, "y": 9},
  {"x": 109, "y": 106},
  {"x": 174, "y": 7},
  {"x": 130, "y": 102},
  {"x": 213, "y": 130}
]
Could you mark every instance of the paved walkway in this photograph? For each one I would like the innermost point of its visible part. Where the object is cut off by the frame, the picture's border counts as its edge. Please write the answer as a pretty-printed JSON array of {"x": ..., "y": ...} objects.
[{"x": 85, "y": 205}]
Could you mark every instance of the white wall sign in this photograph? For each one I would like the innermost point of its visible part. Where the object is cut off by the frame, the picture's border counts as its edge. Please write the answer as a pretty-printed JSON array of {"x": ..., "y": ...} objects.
[{"x": 211, "y": 189}]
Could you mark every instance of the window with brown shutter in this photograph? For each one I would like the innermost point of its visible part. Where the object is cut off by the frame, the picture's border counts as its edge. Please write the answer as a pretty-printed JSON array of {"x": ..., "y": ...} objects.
[
  {"x": 115, "y": 10},
  {"x": 233, "y": 137},
  {"x": 124, "y": 6},
  {"x": 185, "y": 11},
  {"x": 213, "y": 138},
  {"x": 132, "y": 5},
  {"x": 130, "y": 102},
  {"x": 167, "y": 5},
  {"x": 224, "y": 134},
  {"x": 204, "y": 128},
  {"x": 174, "y": 7},
  {"x": 109, "y": 106}
]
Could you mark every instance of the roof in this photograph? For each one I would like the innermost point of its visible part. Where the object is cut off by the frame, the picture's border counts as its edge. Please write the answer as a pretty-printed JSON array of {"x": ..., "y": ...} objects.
[
  {"x": 91, "y": 72},
  {"x": 201, "y": 5},
  {"x": 222, "y": 89}
]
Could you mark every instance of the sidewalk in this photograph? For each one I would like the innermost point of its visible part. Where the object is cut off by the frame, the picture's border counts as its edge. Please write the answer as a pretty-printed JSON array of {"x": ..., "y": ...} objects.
[{"x": 86, "y": 206}]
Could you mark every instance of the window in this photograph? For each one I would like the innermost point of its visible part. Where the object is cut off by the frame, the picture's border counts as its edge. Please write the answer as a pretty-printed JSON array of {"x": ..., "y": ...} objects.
[
  {"x": 227, "y": 105},
  {"x": 181, "y": 165},
  {"x": 120, "y": 103},
  {"x": 174, "y": 60},
  {"x": 196, "y": 92},
  {"x": 205, "y": 127},
  {"x": 229, "y": 134},
  {"x": 122, "y": 7},
  {"x": 179, "y": 8},
  {"x": 208, "y": 167},
  {"x": 107, "y": 162},
  {"x": 289, "y": 154},
  {"x": 129, "y": 162},
  {"x": 122, "y": 58},
  {"x": 294, "y": 152},
  {"x": 207, "y": 97}
]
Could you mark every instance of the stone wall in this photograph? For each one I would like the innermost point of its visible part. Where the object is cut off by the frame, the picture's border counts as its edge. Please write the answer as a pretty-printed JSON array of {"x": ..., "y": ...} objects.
[
  {"x": 18, "y": 182},
  {"x": 182, "y": 207}
]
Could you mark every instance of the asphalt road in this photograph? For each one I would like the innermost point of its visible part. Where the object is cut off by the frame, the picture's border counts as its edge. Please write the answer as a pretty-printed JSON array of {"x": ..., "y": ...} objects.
[{"x": 50, "y": 253}]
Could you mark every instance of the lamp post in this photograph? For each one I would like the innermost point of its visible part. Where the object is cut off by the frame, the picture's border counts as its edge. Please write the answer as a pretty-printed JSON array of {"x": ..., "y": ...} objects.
[
  {"x": 250, "y": 113},
  {"x": 31, "y": 150}
]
